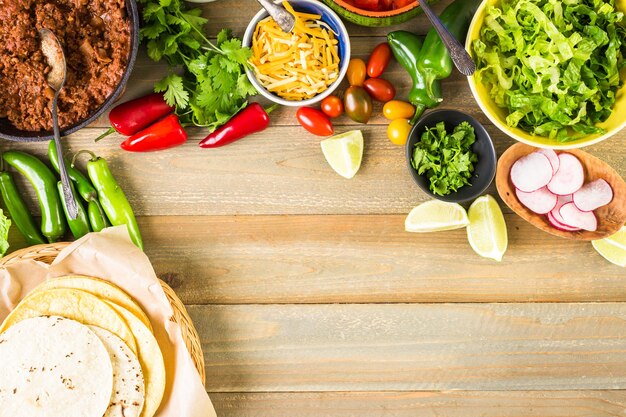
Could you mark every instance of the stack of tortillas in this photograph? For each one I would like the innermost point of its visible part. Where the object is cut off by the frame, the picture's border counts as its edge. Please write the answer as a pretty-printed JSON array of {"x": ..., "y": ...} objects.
[{"x": 79, "y": 346}]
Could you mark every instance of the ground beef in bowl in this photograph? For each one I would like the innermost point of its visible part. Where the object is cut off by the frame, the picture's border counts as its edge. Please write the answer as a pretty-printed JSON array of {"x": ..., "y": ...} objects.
[{"x": 95, "y": 35}]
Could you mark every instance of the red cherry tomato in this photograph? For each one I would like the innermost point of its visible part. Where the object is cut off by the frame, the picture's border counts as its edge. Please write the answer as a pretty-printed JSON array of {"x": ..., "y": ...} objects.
[
  {"x": 398, "y": 4},
  {"x": 379, "y": 89},
  {"x": 356, "y": 72},
  {"x": 367, "y": 4},
  {"x": 379, "y": 59},
  {"x": 314, "y": 121},
  {"x": 332, "y": 106}
]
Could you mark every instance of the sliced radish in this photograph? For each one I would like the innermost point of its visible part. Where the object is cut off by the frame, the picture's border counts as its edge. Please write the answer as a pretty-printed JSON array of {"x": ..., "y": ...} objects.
[
  {"x": 552, "y": 157},
  {"x": 592, "y": 195},
  {"x": 558, "y": 225},
  {"x": 562, "y": 200},
  {"x": 570, "y": 176},
  {"x": 540, "y": 201},
  {"x": 574, "y": 217},
  {"x": 531, "y": 172}
]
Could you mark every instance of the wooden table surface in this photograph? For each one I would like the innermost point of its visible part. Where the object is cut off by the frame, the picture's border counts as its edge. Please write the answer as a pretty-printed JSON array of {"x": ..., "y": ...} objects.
[{"x": 311, "y": 300}]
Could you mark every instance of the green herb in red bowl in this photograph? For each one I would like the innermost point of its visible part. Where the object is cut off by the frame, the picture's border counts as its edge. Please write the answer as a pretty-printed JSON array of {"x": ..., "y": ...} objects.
[{"x": 376, "y": 13}]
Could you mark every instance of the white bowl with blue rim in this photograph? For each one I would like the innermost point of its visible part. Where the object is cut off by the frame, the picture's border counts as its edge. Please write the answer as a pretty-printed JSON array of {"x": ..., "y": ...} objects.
[{"x": 341, "y": 34}]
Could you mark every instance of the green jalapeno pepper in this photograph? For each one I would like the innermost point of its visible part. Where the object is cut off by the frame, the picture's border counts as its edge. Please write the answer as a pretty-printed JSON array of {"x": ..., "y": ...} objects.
[
  {"x": 44, "y": 182},
  {"x": 18, "y": 211},
  {"x": 434, "y": 60},
  {"x": 80, "y": 225},
  {"x": 97, "y": 218},
  {"x": 406, "y": 47},
  {"x": 112, "y": 198},
  {"x": 83, "y": 185}
]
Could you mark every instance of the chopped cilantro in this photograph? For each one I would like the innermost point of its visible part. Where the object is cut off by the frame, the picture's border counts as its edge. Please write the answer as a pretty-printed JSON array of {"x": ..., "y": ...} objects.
[{"x": 446, "y": 159}]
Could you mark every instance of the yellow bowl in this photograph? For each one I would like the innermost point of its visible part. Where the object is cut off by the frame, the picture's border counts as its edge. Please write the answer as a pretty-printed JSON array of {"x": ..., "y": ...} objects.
[{"x": 497, "y": 115}]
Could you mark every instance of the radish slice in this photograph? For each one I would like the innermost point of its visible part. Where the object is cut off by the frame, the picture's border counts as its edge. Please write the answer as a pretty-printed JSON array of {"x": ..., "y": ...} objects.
[
  {"x": 574, "y": 217},
  {"x": 570, "y": 176},
  {"x": 558, "y": 225},
  {"x": 592, "y": 195},
  {"x": 541, "y": 201},
  {"x": 562, "y": 200},
  {"x": 552, "y": 157},
  {"x": 531, "y": 172}
]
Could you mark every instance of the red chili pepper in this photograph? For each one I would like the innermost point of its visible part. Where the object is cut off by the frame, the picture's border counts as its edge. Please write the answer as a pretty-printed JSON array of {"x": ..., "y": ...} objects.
[
  {"x": 254, "y": 118},
  {"x": 164, "y": 134},
  {"x": 130, "y": 117},
  {"x": 314, "y": 121}
]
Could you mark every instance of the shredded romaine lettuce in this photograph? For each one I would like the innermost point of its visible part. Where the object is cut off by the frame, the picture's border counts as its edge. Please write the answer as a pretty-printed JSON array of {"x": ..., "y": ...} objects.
[{"x": 554, "y": 64}]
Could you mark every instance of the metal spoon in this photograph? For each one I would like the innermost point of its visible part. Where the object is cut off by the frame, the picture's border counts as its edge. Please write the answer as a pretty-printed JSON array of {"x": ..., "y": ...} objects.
[
  {"x": 459, "y": 55},
  {"x": 283, "y": 18},
  {"x": 53, "y": 51}
]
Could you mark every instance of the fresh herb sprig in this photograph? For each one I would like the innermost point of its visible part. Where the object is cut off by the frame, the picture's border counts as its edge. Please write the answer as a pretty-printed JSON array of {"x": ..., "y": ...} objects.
[
  {"x": 446, "y": 158},
  {"x": 213, "y": 85}
]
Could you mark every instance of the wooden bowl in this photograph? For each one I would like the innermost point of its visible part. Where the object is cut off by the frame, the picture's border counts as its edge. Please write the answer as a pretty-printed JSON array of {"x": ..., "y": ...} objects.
[{"x": 611, "y": 217}]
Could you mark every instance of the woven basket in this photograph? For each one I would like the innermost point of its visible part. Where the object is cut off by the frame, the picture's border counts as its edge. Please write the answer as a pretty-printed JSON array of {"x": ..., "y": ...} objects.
[{"x": 47, "y": 254}]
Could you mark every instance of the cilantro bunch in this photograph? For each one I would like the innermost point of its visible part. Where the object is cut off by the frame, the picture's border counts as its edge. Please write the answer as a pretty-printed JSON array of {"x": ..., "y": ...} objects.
[
  {"x": 213, "y": 85},
  {"x": 446, "y": 159}
]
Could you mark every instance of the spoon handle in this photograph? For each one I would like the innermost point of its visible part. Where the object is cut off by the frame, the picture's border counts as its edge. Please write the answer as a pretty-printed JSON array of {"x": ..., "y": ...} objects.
[
  {"x": 68, "y": 195},
  {"x": 283, "y": 18},
  {"x": 459, "y": 55}
]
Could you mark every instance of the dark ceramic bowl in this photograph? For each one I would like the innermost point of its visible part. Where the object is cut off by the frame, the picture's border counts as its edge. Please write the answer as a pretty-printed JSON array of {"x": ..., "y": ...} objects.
[
  {"x": 484, "y": 169},
  {"x": 10, "y": 132}
]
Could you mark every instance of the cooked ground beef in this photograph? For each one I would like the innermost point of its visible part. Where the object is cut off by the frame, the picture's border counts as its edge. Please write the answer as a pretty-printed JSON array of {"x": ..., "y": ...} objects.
[{"x": 95, "y": 35}]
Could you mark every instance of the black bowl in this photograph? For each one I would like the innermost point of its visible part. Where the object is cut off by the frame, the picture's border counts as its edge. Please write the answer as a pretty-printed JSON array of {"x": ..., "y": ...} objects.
[
  {"x": 484, "y": 169},
  {"x": 10, "y": 132}
]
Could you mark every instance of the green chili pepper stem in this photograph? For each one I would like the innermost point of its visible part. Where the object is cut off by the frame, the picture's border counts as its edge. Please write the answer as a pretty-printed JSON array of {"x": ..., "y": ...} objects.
[
  {"x": 419, "y": 110},
  {"x": 97, "y": 218},
  {"x": 112, "y": 198},
  {"x": 44, "y": 182},
  {"x": 81, "y": 182},
  {"x": 18, "y": 211},
  {"x": 79, "y": 226},
  {"x": 108, "y": 132}
]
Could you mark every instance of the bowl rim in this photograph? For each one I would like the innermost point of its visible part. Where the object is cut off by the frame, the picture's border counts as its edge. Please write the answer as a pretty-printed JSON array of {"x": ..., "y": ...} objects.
[
  {"x": 109, "y": 101},
  {"x": 452, "y": 197},
  {"x": 374, "y": 14},
  {"x": 471, "y": 80},
  {"x": 247, "y": 41}
]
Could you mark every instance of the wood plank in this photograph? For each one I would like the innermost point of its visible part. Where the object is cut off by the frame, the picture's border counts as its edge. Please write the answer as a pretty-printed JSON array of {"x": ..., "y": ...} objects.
[
  {"x": 364, "y": 259},
  {"x": 278, "y": 171},
  {"x": 386, "y": 347},
  {"x": 423, "y": 404}
]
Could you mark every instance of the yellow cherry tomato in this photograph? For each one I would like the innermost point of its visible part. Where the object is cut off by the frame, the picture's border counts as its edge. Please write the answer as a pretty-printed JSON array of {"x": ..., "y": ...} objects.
[
  {"x": 396, "y": 109},
  {"x": 398, "y": 131},
  {"x": 356, "y": 72}
]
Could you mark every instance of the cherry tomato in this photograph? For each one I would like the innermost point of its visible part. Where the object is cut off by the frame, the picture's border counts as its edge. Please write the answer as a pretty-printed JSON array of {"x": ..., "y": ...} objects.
[
  {"x": 314, "y": 121},
  {"x": 332, "y": 106},
  {"x": 398, "y": 131},
  {"x": 367, "y": 4},
  {"x": 358, "y": 104},
  {"x": 396, "y": 109},
  {"x": 379, "y": 59},
  {"x": 356, "y": 72},
  {"x": 398, "y": 4},
  {"x": 380, "y": 89}
]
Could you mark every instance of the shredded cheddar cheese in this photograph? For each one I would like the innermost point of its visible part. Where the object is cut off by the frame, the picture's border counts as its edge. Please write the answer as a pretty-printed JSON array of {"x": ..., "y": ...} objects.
[{"x": 298, "y": 65}]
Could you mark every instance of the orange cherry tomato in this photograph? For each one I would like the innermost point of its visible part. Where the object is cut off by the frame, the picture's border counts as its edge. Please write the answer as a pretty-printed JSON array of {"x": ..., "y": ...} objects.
[
  {"x": 379, "y": 89},
  {"x": 356, "y": 72},
  {"x": 398, "y": 131},
  {"x": 332, "y": 106},
  {"x": 314, "y": 121},
  {"x": 379, "y": 59},
  {"x": 397, "y": 109}
]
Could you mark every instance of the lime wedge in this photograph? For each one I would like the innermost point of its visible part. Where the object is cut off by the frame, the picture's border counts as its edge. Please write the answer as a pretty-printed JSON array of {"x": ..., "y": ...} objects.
[
  {"x": 435, "y": 216},
  {"x": 487, "y": 230},
  {"x": 613, "y": 248},
  {"x": 344, "y": 152}
]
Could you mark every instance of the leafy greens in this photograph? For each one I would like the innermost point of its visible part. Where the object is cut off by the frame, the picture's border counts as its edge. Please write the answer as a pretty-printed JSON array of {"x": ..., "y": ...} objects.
[
  {"x": 553, "y": 64},
  {"x": 213, "y": 86},
  {"x": 446, "y": 159}
]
